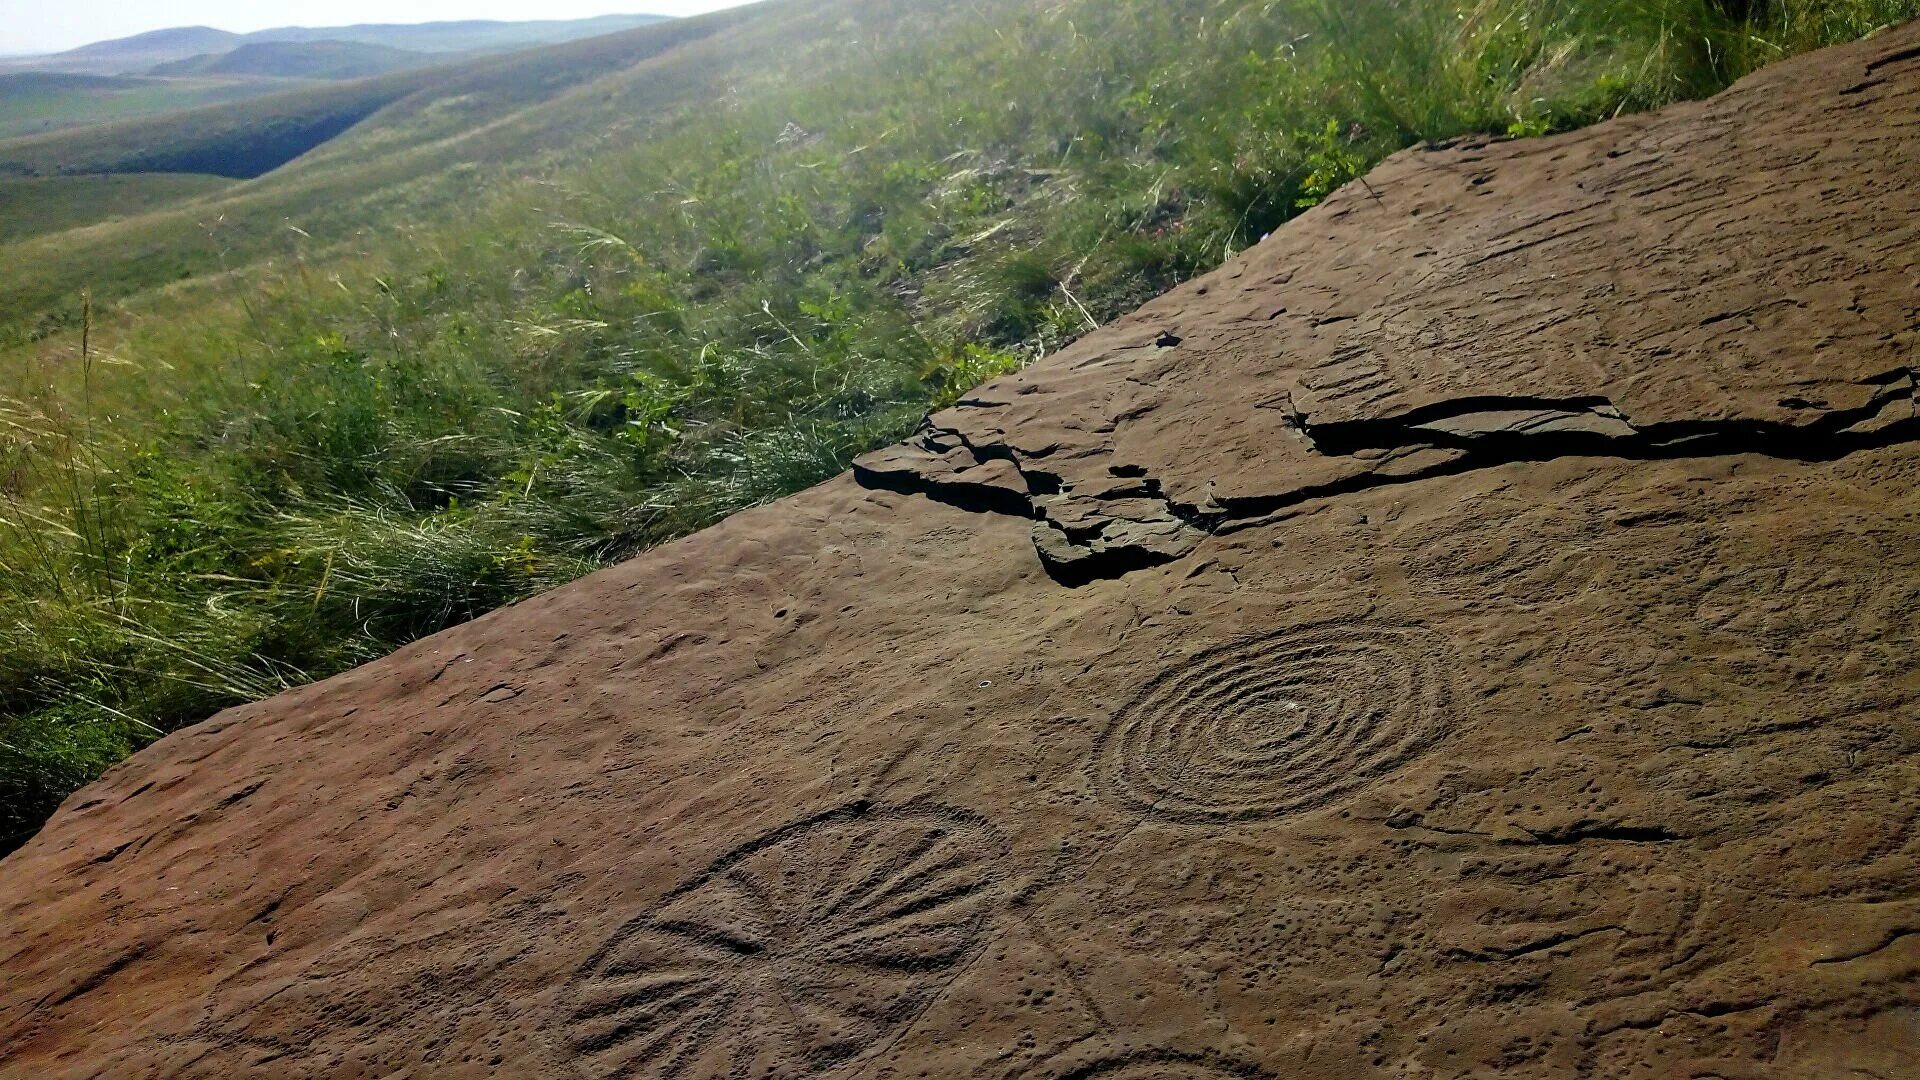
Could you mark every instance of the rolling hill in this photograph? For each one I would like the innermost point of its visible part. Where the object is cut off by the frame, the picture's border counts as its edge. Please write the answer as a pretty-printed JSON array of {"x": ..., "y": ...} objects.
[
  {"x": 142, "y": 52},
  {"x": 324, "y": 59},
  {"x": 411, "y": 129},
  {"x": 470, "y": 35},
  {"x": 36, "y": 102},
  {"x": 173, "y": 70},
  {"x": 240, "y": 140},
  {"x": 139, "y": 52},
  {"x": 249, "y": 138}
]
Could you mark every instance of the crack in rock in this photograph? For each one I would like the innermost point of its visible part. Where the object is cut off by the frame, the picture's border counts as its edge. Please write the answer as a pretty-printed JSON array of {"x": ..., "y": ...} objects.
[
  {"x": 1082, "y": 533},
  {"x": 1087, "y": 531}
]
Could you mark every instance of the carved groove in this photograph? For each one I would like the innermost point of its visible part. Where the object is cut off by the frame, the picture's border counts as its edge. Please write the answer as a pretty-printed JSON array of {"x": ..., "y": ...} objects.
[
  {"x": 1277, "y": 724},
  {"x": 793, "y": 954}
]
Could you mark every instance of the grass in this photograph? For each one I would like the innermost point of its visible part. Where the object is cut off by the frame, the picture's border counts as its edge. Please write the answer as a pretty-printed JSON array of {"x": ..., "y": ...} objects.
[
  {"x": 248, "y": 138},
  {"x": 468, "y": 35},
  {"x": 302, "y": 60},
  {"x": 36, "y": 206},
  {"x": 501, "y": 350},
  {"x": 33, "y": 103},
  {"x": 236, "y": 139}
]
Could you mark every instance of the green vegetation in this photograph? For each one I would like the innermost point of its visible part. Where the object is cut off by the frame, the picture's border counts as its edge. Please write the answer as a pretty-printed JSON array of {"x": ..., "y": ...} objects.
[
  {"x": 33, "y": 102},
  {"x": 142, "y": 52},
  {"x": 247, "y": 139},
  {"x": 468, "y": 35},
  {"x": 302, "y": 60},
  {"x": 468, "y": 351},
  {"x": 35, "y": 205},
  {"x": 241, "y": 139}
]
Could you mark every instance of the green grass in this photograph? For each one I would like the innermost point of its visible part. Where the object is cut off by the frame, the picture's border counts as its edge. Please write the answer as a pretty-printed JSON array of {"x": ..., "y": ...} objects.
[
  {"x": 36, "y": 206},
  {"x": 469, "y": 35},
  {"x": 424, "y": 157},
  {"x": 466, "y": 352},
  {"x": 303, "y": 60},
  {"x": 33, "y": 103},
  {"x": 248, "y": 138},
  {"x": 238, "y": 139}
]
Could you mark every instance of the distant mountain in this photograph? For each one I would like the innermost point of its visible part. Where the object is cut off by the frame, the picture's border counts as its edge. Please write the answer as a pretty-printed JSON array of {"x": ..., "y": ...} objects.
[
  {"x": 464, "y": 36},
  {"x": 303, "y": 60},
  {"x": 144, "y": 52},
  {"x": 203, "y": 38},
  {"x": 244, "y": 139},
  {"x": 139, "y": 52}
]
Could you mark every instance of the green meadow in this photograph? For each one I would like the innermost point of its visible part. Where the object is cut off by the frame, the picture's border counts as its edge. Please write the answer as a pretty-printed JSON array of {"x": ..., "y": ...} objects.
[{"x": 33, "y": 103}]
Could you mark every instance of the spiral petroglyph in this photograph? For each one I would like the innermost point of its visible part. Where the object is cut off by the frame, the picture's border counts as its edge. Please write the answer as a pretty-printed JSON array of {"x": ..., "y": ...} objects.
[
  {"x": 795, "y": 953},
  {"x": 1279, "y": 723}
]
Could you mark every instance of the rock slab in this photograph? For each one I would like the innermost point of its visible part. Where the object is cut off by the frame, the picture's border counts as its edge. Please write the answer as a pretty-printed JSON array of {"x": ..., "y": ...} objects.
[{"x": 1469, "y": 634}]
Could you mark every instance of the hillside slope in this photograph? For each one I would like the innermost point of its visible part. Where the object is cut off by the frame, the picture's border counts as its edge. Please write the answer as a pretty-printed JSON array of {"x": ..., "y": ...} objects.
[
  {"x": 1467, "y": 634},
  {"x": 36, "y": 102},
  {"x": 465, "y": 35},
  {"x": 141, "y": 52},
  {"x": 406, "y": 130},
  {"x": 246, "y": 139},
  {"x": 302, "y": 60},
  {"x": 35, "y": 206}
]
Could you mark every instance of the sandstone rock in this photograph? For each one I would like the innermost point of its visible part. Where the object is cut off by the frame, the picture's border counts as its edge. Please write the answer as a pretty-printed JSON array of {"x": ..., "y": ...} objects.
[{"x": 1469, "y": 634}]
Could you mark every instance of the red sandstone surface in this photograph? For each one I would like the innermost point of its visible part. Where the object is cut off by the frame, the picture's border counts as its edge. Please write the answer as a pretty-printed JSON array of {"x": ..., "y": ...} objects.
[{"x": 1471, "y": 633}]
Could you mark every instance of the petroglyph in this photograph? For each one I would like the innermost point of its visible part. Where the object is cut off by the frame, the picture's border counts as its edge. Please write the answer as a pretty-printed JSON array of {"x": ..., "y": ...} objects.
[
  {"x": 1278, "y": 723},
  {"x": 792, "y": 954}
]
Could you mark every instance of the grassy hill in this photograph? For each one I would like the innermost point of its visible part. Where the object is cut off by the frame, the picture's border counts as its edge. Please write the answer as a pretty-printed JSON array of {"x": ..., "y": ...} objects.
[
  {"x": 35, "y": 102},
  {"x": 471, "y": 35},
  {"x": 37, "y": 206},
  {"x": 246, "y": 139},
  {"x": 302, "y": 60},
  {"x": 171, "y": 71},
  {"x": 532, "y": 313},
  {"x": 142, "y": 52},
  {"x": 424, "y": 135},
  {"x": 239, "y": 140}
]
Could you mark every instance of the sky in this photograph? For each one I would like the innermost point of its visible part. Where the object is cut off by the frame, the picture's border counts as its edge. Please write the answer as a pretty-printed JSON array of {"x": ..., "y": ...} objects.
[{"x": 30, "y": 26}]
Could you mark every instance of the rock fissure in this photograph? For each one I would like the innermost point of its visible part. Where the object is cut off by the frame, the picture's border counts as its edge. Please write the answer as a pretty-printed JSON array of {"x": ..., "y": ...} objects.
[
  {"x": 1529, "y": 948},
  {"x": 1085, "y": 534},
  {"x": 1583, "y": 831},
  {"x": 1887, "y": 941}
]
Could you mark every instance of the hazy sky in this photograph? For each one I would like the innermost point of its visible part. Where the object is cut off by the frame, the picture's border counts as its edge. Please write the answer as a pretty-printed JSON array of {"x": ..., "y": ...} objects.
[{"x": 52, "y": 25}]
